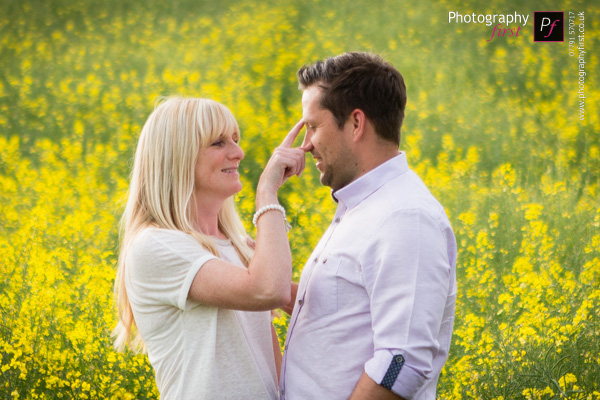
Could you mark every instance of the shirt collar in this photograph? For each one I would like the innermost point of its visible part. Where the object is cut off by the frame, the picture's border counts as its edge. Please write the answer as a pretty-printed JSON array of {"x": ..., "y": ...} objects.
[{"x": 361, "y": 188}]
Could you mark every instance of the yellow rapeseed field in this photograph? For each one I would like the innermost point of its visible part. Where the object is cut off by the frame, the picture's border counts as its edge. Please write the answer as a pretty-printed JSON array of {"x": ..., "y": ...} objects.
[{"x": 493, "y": 127}]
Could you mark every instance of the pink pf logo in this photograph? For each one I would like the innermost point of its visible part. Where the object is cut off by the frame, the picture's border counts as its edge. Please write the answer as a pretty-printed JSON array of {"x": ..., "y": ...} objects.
[{"x": 548, "y": 26}]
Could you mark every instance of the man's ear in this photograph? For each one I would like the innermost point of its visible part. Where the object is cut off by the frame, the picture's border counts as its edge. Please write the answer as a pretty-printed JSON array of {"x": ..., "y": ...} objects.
[{"x": 359, "y": 123}]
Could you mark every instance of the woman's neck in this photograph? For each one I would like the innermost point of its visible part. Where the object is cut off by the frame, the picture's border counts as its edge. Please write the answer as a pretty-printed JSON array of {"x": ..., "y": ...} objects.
[{"x": 207, "y": 218}]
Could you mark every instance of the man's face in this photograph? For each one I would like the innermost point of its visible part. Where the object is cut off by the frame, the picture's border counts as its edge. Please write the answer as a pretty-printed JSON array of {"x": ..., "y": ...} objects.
[{"x": 329, "y": 145}]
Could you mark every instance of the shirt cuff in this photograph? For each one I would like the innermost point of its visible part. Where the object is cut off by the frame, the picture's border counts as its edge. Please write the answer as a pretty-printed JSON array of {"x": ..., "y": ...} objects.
[
  {"x": 394, "y": 372},
  {"x": 189, "y": 279}
]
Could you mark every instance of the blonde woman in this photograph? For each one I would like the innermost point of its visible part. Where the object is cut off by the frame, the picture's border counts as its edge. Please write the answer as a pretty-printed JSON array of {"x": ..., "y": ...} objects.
[{"x": 190, "y": 288}]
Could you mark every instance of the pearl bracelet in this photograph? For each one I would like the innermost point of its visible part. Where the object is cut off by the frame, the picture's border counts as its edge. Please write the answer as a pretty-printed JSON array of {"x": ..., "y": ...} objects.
[{"x": 270, "y": 207}]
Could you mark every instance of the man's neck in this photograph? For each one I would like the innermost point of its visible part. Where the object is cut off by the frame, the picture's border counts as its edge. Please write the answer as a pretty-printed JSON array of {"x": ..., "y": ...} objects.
[{"x": 373, "y": 158}]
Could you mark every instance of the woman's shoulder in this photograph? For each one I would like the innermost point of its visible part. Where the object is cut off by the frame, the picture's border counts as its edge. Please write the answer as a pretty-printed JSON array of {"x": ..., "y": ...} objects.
[
  {"x": 151, "y": 236},
  {"x": 153, "y": 242}
]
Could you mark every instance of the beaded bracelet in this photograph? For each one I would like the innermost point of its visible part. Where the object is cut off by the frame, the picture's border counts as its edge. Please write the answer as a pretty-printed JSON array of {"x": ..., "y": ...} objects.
[{"x": 270, "y": 207}]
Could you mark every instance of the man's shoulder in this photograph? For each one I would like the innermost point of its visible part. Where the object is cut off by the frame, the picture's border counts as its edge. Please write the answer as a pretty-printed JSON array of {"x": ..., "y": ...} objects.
[{"x": 405, "y": 192}]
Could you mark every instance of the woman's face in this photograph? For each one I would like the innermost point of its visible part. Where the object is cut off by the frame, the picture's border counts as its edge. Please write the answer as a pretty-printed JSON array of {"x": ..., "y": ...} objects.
[{"x": 216, "y": 172}]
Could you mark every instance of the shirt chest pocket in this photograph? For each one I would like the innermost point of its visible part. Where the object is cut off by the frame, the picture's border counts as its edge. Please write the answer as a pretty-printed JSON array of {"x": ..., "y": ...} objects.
[{"x": 322, "y": 291}]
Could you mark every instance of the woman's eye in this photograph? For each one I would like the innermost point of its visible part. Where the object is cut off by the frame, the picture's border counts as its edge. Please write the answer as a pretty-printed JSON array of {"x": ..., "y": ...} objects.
[{"x": 217, "y": 143}]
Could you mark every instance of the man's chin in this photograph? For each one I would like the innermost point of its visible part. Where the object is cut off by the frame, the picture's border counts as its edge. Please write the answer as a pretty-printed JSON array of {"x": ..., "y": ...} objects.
[{"x": 325, "y": 180}]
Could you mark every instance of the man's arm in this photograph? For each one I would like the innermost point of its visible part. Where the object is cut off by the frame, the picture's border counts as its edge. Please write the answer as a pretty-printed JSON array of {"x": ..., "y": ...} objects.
[
  {"x": 367, "y": 389},
  {"x": 409, "y": 281}
]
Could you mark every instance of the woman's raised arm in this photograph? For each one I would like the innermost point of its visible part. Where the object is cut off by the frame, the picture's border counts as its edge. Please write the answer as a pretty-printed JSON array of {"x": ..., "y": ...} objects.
[{"x": 265, "y": 284}]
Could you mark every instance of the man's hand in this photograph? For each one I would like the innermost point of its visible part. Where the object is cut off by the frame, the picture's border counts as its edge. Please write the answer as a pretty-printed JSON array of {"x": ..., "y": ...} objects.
[{"x": 367, "y": 389}]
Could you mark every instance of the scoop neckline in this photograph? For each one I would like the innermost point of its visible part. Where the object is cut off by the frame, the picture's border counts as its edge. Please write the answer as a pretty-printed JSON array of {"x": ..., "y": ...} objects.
[{"x": 221, "y": 242}]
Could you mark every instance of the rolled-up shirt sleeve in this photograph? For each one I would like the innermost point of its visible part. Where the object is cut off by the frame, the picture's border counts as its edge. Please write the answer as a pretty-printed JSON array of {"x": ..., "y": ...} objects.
[
  {"x": 162, "y": 266},
  {"x": 407, "y": 274}
]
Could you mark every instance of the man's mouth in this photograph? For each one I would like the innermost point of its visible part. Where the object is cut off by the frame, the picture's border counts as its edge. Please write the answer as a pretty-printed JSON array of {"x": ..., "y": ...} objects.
[{"x": 318, "y": 163}]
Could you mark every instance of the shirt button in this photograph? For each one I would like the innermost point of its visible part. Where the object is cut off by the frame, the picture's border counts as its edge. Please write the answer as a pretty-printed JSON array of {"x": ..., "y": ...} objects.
[
  {"x": 324, "y": 261},
  {"x": 316, "y": 259},
  {"x": 300, "y": 302},
  {"x": 399, "y": 359},
  {"x": 337, "y": 220}
]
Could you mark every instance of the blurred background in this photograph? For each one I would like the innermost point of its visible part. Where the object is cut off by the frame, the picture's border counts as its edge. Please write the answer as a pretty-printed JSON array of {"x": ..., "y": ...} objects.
[{"x": 493, "y": 127}]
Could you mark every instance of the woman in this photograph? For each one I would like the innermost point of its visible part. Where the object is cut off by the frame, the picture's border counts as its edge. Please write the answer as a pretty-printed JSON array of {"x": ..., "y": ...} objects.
[{"x": 190, "y": 288}]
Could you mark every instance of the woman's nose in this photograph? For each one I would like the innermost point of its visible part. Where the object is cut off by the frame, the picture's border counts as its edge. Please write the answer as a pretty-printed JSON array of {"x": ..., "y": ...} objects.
[{"x": 237, "y": 152}]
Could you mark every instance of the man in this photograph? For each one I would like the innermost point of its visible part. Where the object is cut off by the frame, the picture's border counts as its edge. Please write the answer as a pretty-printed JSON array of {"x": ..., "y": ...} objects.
[{"x": 374, "y": 309}]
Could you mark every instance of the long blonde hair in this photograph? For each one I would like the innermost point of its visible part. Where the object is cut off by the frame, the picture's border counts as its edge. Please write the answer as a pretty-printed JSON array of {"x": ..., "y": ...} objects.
[{"x": 161, "y": 190}]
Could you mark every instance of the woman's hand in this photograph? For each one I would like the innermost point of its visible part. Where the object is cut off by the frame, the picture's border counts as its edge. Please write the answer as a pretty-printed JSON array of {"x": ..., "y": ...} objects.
[{"x": 284, "y": 163}]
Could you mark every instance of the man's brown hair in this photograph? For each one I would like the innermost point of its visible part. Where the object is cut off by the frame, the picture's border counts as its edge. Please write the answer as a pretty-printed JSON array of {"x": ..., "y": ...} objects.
[{"x": 360, "y": 80}]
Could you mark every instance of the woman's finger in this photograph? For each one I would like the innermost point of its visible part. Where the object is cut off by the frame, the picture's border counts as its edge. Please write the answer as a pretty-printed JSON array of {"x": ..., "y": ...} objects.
[{"x": 291, "y": 136}]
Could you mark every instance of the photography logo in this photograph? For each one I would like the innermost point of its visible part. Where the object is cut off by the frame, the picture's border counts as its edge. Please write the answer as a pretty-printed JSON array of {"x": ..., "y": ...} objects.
[{"x": 548, "y": 26}]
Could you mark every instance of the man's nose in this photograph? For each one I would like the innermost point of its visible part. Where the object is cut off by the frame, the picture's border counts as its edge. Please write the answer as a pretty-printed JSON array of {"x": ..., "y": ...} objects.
[{"x": 306, "y": 142}]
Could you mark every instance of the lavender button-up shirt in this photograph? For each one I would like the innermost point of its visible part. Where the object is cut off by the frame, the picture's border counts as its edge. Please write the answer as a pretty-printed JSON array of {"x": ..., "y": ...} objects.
[{"x": 378, "y": 293}]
